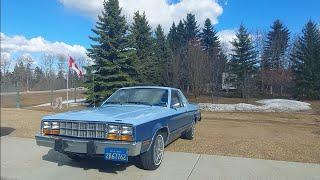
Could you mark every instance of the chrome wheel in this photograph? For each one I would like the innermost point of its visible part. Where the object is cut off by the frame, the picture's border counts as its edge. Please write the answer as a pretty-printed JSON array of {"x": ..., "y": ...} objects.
[{"x": 158, "y": 150}]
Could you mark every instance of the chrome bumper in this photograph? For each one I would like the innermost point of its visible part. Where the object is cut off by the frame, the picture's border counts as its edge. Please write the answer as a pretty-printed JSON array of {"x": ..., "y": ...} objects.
[{"x": 90, "y": 147}]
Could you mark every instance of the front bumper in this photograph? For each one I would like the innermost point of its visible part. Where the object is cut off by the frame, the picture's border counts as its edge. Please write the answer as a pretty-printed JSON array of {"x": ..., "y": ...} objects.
[{"x": 86, "y": 146}]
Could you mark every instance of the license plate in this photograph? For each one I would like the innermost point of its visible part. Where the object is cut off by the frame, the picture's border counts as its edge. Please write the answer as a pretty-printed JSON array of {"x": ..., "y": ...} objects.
[{"x": 116, "y": 154}]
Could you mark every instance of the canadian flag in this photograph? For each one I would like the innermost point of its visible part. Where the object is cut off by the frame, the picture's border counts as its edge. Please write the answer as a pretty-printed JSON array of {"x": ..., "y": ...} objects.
[{"x": 74, "y": 66}]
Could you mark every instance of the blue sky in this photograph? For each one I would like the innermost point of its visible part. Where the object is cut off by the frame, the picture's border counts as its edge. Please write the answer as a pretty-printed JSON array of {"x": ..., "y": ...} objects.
[{"x": 70, "y": 21}]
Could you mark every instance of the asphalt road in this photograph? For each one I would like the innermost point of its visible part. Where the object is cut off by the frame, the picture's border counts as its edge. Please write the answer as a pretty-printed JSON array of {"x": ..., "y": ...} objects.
[{"x": 22, "y": 159}]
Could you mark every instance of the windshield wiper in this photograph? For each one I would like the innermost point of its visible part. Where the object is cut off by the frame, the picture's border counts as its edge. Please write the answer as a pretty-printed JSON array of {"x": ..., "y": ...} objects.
[{"x": 135, "y": 102}]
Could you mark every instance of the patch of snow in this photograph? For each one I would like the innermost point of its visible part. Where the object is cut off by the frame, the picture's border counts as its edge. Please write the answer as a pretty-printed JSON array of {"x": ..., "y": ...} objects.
[
  {"x": 267, "y": 105},
  {"x": 71, "y": 102}
]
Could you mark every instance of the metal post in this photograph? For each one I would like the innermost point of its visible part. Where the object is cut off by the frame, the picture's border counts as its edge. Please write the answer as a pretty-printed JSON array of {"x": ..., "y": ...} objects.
[
  {"x": 94, "y": 96},
  {"x": 68, "y": 89},
  {"x": 75, "y": 88},
  {"x": 18, "y": 96}
]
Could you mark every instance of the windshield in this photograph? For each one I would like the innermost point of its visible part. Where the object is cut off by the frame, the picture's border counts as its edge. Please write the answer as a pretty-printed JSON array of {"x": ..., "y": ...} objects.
[{"x": 144, "y": 96}]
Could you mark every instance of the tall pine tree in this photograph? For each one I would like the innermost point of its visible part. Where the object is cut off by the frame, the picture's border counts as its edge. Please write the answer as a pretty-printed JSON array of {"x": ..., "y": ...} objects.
[
  {"x": 209, "y": 37},
  {"x": 306, "y": 60},
  {"x": 216, "y": 60},
  {"x": 143, "y": 43},
  {"x": 111, "y": 53},
  {"x": 162, "y": 54},
  {"x": 191, "y": 28},
  {"x": 275, "y": 46},
  {"x": 243, "y": 60},
  {"x": 274, "y": 59},
  {"x": 180, "y": 56},
  {"x": 172, "y": 37},
  {"x": 181, "y": 36}
]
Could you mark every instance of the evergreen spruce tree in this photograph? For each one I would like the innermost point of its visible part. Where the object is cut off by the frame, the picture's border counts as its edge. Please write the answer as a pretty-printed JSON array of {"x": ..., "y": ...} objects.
[
  {"x": 38, "y": 75},
  {"x": 211, "y": 45},
  {"x": 181, "y": 36},
  {"x": 209, "y": 37},
  {"x": 274, "y": 59},
  {"x": 306, "y": 63},
  {"x": 180, "y": 55},
  {"x": 162, "y": 54},
  {"x": 172, "y": 37},
  {"x": 143, "y": 43},
  {"x": 243, "y": 60},
  {"x": 111, "y": 53},
  {"x": 191, "y": 28},
  {"x": 276, "y": 45}
]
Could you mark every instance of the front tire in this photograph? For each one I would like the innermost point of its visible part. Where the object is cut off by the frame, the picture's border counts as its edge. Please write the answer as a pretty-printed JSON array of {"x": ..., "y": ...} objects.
[{"x": 152, "y": 159}]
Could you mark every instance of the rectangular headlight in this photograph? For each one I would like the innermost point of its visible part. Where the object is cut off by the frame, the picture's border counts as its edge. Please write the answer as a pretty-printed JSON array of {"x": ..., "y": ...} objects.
[
  {"x": 46, "y": 125},
  {"x": 55, "y": 125},
  {"x": 113, "y": 129},
  {"x": 126, "y": 130}
]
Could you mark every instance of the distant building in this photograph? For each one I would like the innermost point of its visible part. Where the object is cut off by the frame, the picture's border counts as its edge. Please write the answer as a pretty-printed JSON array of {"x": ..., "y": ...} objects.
[{"x": 228, "y": 81}]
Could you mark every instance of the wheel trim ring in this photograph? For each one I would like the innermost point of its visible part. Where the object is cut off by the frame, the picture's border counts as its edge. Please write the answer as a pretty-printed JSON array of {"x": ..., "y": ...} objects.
[{"x": 158, "y": 150}]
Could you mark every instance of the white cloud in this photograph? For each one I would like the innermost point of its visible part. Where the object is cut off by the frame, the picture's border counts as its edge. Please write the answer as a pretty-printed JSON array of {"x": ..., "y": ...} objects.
[
  {"x": 5, "y": 56},
  {"x": 20, "y": 44},
  {"x": 226, "y": 36},
  {"x": 157, "y": 11}
]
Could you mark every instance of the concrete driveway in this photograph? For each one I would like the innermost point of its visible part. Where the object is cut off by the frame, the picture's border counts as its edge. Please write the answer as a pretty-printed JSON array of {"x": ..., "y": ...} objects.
[{"x": 22, "y": 159}]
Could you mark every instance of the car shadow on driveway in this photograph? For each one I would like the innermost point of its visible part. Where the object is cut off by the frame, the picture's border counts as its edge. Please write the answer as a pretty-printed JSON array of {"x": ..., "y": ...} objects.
[
  {"x": 91, "y": 163},
  {"x": 6, "y": 131}
]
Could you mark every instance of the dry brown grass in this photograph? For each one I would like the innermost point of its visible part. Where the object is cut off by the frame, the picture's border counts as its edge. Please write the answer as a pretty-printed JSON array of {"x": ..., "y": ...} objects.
[
  {"x": 32, "y": 99},
  {"x": 277, "y": 136},
  {"x": 20, "y": 122},
  {"x": 315, "y": 105}
]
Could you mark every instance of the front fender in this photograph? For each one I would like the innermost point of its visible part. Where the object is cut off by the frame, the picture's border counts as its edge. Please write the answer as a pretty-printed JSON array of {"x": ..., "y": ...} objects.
[{"x": 146, "y": 132}]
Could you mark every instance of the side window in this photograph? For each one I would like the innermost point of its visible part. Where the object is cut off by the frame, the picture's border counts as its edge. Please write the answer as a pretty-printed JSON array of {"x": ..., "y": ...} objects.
[{"x": 176, "y": 100}]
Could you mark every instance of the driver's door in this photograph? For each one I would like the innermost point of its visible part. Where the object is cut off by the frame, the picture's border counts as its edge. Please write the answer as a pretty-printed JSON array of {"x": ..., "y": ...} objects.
[{"x": 179, "y": 113}]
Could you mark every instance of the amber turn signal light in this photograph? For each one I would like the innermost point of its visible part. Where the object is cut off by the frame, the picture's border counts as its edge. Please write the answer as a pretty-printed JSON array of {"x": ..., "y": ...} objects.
[
  {"x": 119, "y": 137},
  {"x": 51, "y": 132},
  {"x": 112, "y": 136},
  {"x": 126, "y": 138}
]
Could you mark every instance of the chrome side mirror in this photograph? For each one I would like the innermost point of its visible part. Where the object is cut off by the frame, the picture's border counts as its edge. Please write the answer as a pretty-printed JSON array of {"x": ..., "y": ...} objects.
[{"x": 176, "y": 105}]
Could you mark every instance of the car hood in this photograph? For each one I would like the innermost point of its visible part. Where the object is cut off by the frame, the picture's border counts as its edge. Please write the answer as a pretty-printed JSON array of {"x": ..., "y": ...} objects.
[{"x": 131, "y": 114}]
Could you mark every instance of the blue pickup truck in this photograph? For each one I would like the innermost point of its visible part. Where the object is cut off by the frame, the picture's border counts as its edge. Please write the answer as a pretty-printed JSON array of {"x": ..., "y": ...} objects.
[{"x": 133, "y": 121}]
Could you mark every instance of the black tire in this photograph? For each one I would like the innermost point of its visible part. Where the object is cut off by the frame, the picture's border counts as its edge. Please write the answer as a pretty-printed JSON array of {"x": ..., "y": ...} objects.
[
  {"x": 189, "y": 134},
  {"x": 148, "y": 160}
]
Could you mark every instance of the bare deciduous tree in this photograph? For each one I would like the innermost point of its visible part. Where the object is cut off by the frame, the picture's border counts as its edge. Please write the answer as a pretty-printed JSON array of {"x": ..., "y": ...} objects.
[{"x": 197, "y": 61}]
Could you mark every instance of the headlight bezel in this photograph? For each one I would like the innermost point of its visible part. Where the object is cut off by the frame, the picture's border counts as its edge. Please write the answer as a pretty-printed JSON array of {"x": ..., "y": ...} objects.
[
  {"x": 113, "y": 129},
  {"x": 122, "y": 132},
  {"x": 50, "y": 127},
  {"x": 55, "y": 125},
  {"x": 126, "y": 130},
  {"x": 46, "y": 125}
]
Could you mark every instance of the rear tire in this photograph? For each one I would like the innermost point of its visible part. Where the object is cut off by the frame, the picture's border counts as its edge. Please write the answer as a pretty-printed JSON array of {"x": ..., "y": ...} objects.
[
  {"x": 152, "y": 159},
  {"x": 189, "y": 134}
]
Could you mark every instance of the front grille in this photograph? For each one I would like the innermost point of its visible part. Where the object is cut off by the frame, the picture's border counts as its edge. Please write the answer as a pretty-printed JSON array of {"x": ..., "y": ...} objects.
[{"x": 83, "y": 129}]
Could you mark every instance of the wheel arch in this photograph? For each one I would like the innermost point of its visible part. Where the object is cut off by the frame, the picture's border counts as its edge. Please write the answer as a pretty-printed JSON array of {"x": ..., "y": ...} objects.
[{"x": 163, "y": 129}]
